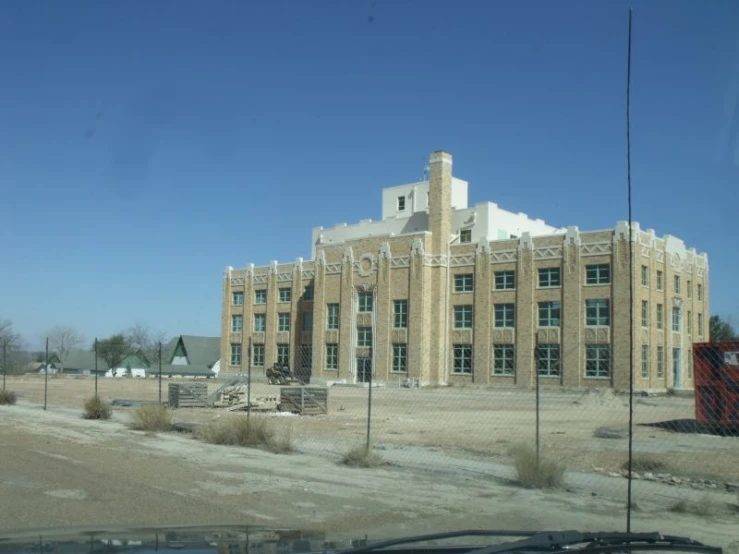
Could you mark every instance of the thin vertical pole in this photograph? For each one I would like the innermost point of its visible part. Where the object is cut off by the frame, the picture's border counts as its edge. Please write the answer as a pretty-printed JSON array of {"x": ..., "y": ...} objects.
[
  {"x": 369, "y": 406},
  {"x": 160, "y": 372},
  {"x": 538, "y": 416},
  {"x": 96, "y": 367},
  {"x": 631, "y": 282},
  {"x": 46, "y": 372},
  {"x": 248, "y": 382},
  {"x": 5, "y": 361}
]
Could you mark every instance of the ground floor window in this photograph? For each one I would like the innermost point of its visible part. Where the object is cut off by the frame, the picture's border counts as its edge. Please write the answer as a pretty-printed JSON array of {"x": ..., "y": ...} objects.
[
  {"x": 364, "y": 336},
  {"x": 332, "y": 356},
  {"x": 400, "y": 358},
  {"x": 462, "y": 359},
  {"x": 283, "y": 354},
  {"x": 235, "y": 354},
  {"x": 644, "y": 361},
  {"x": 258, "y": 355},
  {"x": 547, "y": 360},
  {"x": 597, "y": 360},
  {"x": 503, "y": 359}
]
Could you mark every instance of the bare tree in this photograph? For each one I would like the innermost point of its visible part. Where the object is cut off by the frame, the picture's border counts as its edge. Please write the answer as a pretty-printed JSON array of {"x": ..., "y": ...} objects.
[
  {"x": 62, "y": 340},
  {"x": 142, "y": 339},
  {"x": 113, "y": 351},
  {"x": 10, "y": 341}
]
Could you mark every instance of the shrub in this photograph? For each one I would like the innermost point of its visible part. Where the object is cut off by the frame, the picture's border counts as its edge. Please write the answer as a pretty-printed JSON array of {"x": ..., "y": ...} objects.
[
  {"x": 704, "y": 507},
  {"x": 643, "y": 463},
  {"x": 153, "y": 417},
  {"x": 361, "y": 456},
  {"x": 7, "y": 397},
  {"x": 254, "y": 433},
  {"x": 542, "y": 474},
  {"x": 611, "y": 433},
  {"x": 96, "y": 409}
]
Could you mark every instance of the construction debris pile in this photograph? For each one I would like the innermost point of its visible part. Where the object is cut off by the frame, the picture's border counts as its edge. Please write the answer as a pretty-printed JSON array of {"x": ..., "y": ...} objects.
[{"x": 234, "y": 396}]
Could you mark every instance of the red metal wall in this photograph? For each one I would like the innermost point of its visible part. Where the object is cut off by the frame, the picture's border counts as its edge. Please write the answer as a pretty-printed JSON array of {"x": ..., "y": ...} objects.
[{"x": 716, "y": 383}]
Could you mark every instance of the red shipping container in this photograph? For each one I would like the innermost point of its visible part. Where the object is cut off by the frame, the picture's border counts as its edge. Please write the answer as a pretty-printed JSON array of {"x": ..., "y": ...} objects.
[{"x": 716, "y": 370}]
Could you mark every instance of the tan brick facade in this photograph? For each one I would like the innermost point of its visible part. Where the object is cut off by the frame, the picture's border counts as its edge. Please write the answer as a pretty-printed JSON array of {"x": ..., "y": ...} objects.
[{"x": 420, "y": 269}]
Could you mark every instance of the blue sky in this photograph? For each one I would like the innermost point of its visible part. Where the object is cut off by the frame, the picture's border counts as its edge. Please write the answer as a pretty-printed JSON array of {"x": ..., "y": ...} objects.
[{"x": 146, "y": 145}]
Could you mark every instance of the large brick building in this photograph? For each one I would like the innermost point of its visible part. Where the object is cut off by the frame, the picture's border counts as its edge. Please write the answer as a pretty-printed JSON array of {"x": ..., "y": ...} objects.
[{"x": 440, "y": 292}]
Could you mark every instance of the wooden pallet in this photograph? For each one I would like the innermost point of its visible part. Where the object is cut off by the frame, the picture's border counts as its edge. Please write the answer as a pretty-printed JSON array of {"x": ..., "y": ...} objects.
[
  {"x": 304, "y": 400},
  {"x": 188, "y": 395}
]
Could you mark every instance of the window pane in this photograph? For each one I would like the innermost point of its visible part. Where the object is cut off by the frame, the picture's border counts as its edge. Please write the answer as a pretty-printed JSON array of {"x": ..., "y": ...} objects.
[
  {"x": 549, "y": 277},
  {"x": 463, "y": 282},
  {"x": 598, "y": 274},
  {"x": 503, "y": 359},
  {"x": 258, "y": 355},
  {"x": 283, "y": 354},
  {"x": 597, "y": 312},
  {"x": 332, "y": 316},
  {"x": 597, "y": 360},
  {"x": 365, "y": 300},
  {"x": 308, "y": 293},
  {"x": 283, "y": 322},
  {"x": 332, "y": 356},
  {"x": 547, "y": 360},
  {"x": 237, "y": 323},
  {"x": 260, "y": 323},
  {"x": 260, "y": 296},
  {"x": 465, "y": 236},
  {"x": 235, "y": 354},
  {"x": 463, "y": 317},
  {"x": 645, "y": 361},
  {"x": 505, "y": 280},
  {"x": 400, "y": 314},
  {"x": 462, "y": 359},
  {"x": 364, "y": 336},
  {"x": 238, "y": 299},
  {"x": 399, "y": 358},
  {"x": 285, "y": 295},
  {"x": 504, "y": 315},
  {"x": 549, "y": 314}
]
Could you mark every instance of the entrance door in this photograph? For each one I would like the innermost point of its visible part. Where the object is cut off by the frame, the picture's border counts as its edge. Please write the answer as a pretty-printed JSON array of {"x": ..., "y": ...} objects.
[
  {"x": 364, "y": 370},
  {"x": 677, "y": 374}
]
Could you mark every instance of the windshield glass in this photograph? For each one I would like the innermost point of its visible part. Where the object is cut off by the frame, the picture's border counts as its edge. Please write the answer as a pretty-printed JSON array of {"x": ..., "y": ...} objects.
[{"x": 369, "y": 269}]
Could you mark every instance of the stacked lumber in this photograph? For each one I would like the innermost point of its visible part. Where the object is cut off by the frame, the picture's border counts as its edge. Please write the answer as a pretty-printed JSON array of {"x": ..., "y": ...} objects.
[
  {"x": 187, "y": 395},
  {"x": 234, "y": 398},
  {"x": 304, "y": 400}
]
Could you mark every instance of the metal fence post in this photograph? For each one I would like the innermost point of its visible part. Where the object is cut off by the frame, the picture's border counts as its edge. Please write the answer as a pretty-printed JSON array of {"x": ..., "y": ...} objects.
[
  {"x": 538, "y": 416},
  {"x": 248, "y": 382},
  {"x": 46, "y": 372},
  {"x": 160, "y": 372},
  {"x": 5, "y": 362},
  {"x": 96, "y": 367},
  {"x": 369, "y": 407}
]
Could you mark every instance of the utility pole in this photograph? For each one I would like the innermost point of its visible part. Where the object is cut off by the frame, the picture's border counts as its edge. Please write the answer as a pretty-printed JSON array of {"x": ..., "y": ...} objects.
[{"x": 96, "y": 367}]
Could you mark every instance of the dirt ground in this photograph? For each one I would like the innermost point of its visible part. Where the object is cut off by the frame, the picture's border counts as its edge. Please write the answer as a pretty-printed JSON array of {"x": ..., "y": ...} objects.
[{"x": 466, "y": 422}]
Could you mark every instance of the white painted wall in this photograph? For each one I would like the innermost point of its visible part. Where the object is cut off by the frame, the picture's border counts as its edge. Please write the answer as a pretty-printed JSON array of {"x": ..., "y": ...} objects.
[
  {"x": 216, "y": 367},
  {"x": 486, "y": 219},
  {"x": 122, "y": 372},
  {"x": 417, "y": 198},
  {"x": 180, "y": 360}
]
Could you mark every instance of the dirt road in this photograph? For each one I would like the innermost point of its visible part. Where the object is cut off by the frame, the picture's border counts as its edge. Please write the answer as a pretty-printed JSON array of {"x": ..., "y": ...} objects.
[{"x": 57, "y": 470}]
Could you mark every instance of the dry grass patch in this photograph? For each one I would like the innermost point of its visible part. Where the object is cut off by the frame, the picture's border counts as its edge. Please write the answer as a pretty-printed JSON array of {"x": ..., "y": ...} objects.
[
  {"x": 96, "y": 409},
  {"x": 704, "y": 507},
  {"x": 153, "y": 417},
  {"x": 254, "y": 433},
  {"x": 543, "y": 473},
  {"x": 7, "y": 398},
  {"x": 644, "y": 463},
  {"x": 361, "y": 456}
]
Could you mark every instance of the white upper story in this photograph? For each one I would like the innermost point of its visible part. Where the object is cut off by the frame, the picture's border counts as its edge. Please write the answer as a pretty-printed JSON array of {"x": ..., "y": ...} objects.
[{"x": 405, "y": 211}]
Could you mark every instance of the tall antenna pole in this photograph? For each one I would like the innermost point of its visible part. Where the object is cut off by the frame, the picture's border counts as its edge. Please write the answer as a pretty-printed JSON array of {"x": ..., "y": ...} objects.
[{"x": 631, "y": 281}]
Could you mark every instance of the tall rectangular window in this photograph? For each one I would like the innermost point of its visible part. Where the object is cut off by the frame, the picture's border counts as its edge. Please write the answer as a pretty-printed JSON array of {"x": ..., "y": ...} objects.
[
  {"x": 644, "y": 361},
  {"x": 505, "y": 280},
  {"x": 660, "y": 316},
  {"x": 462, "y": 359},
  {"x": 307, "y": 322},
  {"x": 503, "y": 359},
  {"x": 677, "y": 284},
  {"x": 504, "y": 315},
  {"x": 260, "y": 296},
  {"x": 401, "y": 203},
  {"x": 690, "y": 322},
  {"x": 549, "y": 314},
  {"x": 597, "y": 312},
  {"x": 463, "y": 282},
  {"x": 235, "y": 354},
  {"x": 463, "y": 317},
  {"x": 660, "y": 280},
  {"x": 549, "y": 277},
  {"x": 366, "y": 301},
  {"x": 257, "y": 355},
  {"x": 237, "y": 323},
  {"x": 689, "y": 288},
  {"x": 700, "y": 292},
  {"x": 645, "y": 313},
  {"x": 400, "y": 358},
  {"x": 332, "y": 356},
  {"x": 644, "y": 276},
  {"x": 700, "y": 325},
  {"x": 238, "y": 298},
  {"x": 465, "y": 236},
  {"x": 547, "y": 360},
  {"x": 283, "y": 354},
  {"x": 283, "y": 322},
  {"x": 364, "y": 336},
  {"x": 400, "y": 314},
  {"x": 286, "y": 295},
  {"x": 260, "y": 323},
  {"x": 308, "y": 293},
  {"x": 332, "y": 316},
  {"x": 597, "y": 360},
  {"x": 599, "y": 274},
  {"x": 660, "y": 362},
  {"x": 676, "y": 321}
]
